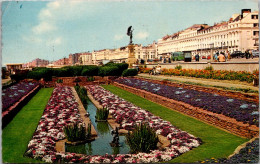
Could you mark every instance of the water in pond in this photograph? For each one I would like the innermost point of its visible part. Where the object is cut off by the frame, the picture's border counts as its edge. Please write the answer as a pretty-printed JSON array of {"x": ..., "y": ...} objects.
[{"x": 101, "y": 145}]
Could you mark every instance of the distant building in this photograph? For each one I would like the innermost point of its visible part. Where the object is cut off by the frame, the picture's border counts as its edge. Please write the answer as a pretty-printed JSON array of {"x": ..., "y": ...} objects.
[
  {"x": 239, "y": 33},
  {"x": 119, "y": 55},
  {"x": 36, "y": 63},
  {"x": 85, "y": 59},
  {"x": 61, "y": 62},
  {"x": 12, "y": 67}
]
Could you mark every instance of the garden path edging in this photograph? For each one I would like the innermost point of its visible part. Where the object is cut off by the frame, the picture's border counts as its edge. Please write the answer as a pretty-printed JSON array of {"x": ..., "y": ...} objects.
[{"x": 218, "y": 120}]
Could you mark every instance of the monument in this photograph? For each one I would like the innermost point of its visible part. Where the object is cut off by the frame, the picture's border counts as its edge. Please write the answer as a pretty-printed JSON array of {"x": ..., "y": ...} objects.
[{"x": 131, "y": 57}]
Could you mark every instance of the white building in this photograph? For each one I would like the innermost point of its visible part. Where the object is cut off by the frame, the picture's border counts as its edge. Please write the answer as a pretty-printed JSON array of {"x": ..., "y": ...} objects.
[
  {"x": 240, "y": 33},
  {"x": 119, "y": 55}
]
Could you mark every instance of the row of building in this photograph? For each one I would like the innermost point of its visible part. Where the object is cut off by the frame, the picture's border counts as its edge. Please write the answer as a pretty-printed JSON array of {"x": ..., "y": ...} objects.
[{"x": 239, "y": 33}]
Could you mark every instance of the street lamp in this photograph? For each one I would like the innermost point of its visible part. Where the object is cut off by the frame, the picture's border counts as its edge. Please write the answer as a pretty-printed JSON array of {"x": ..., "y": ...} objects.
[{"x": 211, "y": 51}]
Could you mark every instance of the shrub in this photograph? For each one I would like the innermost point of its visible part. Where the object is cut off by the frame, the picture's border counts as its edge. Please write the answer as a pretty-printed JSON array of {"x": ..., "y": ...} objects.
[
  {"x": 90, "y": 70},
  {"x": 91, "y": 78},
  {"x": 142, "y": 139},
  {"x": 179, "y": 67},
  {"x": 121, "y": 67},
  {"x": 209, "y": 68},
  {"x": 82, "y": 93},
  {"x": 130, "y": 72},
  {"x": 39, "y": 73},
  {"x": 75, "y": 132},
  {"x": 108, "y": 71},
  {"x": 102, "y": 114},
  {"x": 59, "y": 81}
]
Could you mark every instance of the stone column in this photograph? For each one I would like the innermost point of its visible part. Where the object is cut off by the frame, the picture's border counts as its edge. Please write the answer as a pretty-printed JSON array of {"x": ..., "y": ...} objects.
[{"x": 131, "y": 56}]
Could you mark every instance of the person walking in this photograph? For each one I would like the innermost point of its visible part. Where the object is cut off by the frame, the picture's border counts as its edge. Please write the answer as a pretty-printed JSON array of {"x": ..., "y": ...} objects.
[
  {"x": 221, "y": 57},
  {"x": 247, "y": 54},
  {"x": 197, "y": 57},
  {"x": 229, "y": 56}
]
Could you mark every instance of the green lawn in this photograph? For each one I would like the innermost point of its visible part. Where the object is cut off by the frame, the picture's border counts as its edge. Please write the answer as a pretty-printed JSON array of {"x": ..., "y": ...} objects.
[
  {"x": 216, "y": 143},
  {"x": 17, "y": 134}
]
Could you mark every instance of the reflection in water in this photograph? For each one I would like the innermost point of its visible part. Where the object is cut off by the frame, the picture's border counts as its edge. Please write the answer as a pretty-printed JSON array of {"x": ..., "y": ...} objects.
[
  {"x": 80, "y": 149},
  {"x": 88, "y": 148},
  {"x": 102, "y": 128},
  {"x": 116, "y": 150},
  {"x": 101, "y": 145}
]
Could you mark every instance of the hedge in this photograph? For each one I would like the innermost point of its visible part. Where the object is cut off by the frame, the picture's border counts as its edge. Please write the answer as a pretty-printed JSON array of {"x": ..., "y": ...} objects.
[
  {"x": 130, "y": 72},
  {"x": 110, "y": 69}
]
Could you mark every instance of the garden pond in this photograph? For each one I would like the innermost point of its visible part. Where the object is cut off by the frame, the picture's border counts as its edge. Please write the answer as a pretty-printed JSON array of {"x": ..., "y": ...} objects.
[{"x": 101, "y": 145}]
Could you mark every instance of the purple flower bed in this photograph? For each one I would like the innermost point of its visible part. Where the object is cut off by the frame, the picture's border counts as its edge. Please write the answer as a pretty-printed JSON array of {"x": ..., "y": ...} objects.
[
  {"x": 244, "y": 111},
  {"x": 62, "y": 109},
  {"x": 14, "y": 93}
]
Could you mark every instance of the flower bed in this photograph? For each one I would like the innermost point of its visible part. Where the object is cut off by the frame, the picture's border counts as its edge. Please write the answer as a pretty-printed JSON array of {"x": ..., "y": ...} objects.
[
  {"x": 244, "y": 111},
  {"x": 249, "y": 154},
  {"x": 213, "y": 74},
  {"x": 14, "y": 93},
  {"x": 61, "y": 110}
]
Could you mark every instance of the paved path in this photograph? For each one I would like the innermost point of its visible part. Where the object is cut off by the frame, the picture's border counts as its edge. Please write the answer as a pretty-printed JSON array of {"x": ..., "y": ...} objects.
[{"x": 209, "y": 82}]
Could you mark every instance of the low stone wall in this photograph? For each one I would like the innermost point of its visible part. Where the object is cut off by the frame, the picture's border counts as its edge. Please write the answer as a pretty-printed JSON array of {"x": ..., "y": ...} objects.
[
  {"x": 232, "y": 94},
  {"x": 70, "y": 81},
  {"x": 229, "y": 66},
  {"x": 218, "y": 120}
]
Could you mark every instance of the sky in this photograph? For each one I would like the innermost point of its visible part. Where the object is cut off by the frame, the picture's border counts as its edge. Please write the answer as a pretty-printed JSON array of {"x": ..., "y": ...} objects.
[{"x": 52, "y": 30}]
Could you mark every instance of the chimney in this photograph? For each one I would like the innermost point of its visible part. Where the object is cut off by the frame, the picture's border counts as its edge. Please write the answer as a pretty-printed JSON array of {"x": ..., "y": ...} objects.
[
  {"x": 244, "y": 12},
  {"x": 234, "y": 16}
]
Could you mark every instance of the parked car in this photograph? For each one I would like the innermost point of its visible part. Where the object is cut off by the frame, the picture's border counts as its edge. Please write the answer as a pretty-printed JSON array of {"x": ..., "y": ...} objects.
[
  {"x": 255, "y": 53},
  {"x": 237, "y": 54}
]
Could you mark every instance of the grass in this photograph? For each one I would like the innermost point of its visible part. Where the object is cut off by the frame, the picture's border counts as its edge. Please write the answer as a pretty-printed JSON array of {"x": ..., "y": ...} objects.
[
  {"x": 216, "y": 143},
  {"x": 17, "y": 134}
]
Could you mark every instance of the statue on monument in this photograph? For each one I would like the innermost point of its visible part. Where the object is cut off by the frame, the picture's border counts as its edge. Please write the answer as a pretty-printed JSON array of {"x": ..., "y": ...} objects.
[{"x": 130, "y": 33}]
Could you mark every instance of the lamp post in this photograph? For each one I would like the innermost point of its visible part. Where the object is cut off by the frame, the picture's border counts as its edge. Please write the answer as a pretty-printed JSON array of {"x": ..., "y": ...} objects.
[{"x": 211, "y": 51}]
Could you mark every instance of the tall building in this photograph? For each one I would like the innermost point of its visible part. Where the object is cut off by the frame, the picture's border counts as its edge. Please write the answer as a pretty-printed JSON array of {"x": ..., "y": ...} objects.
[
  {"x": 85, "y": 58},
  {"x": 239, "y": 33}
]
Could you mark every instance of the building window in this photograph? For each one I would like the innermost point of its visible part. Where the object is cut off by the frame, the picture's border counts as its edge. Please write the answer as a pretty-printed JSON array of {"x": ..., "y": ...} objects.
[
  {"x": 256, "y": 33},
  {"x": 255, "y": 24},
  {"x": 254, "y": 16}
]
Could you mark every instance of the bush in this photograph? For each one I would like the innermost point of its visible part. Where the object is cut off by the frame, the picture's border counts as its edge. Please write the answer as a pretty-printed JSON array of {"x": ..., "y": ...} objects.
[
  {"x": 130, "y": 72},
  {"x": 108, "y": 71},
  {"x": 90, "y": 70},
  {"x": 121, "y": 67},
  {"x": 59, "y": 81},
  {"x": 102, "y": 114},
  {"x": 142, "y": 139},
  {"x": 179, "y": 67},
  {"x": 209, "y": 68},
  {"x": 90, "y": 78},
  {"x": 75, "y": 132},
  {"x": 82, "y": 93},
  {"x": 39, "y": 73}
]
